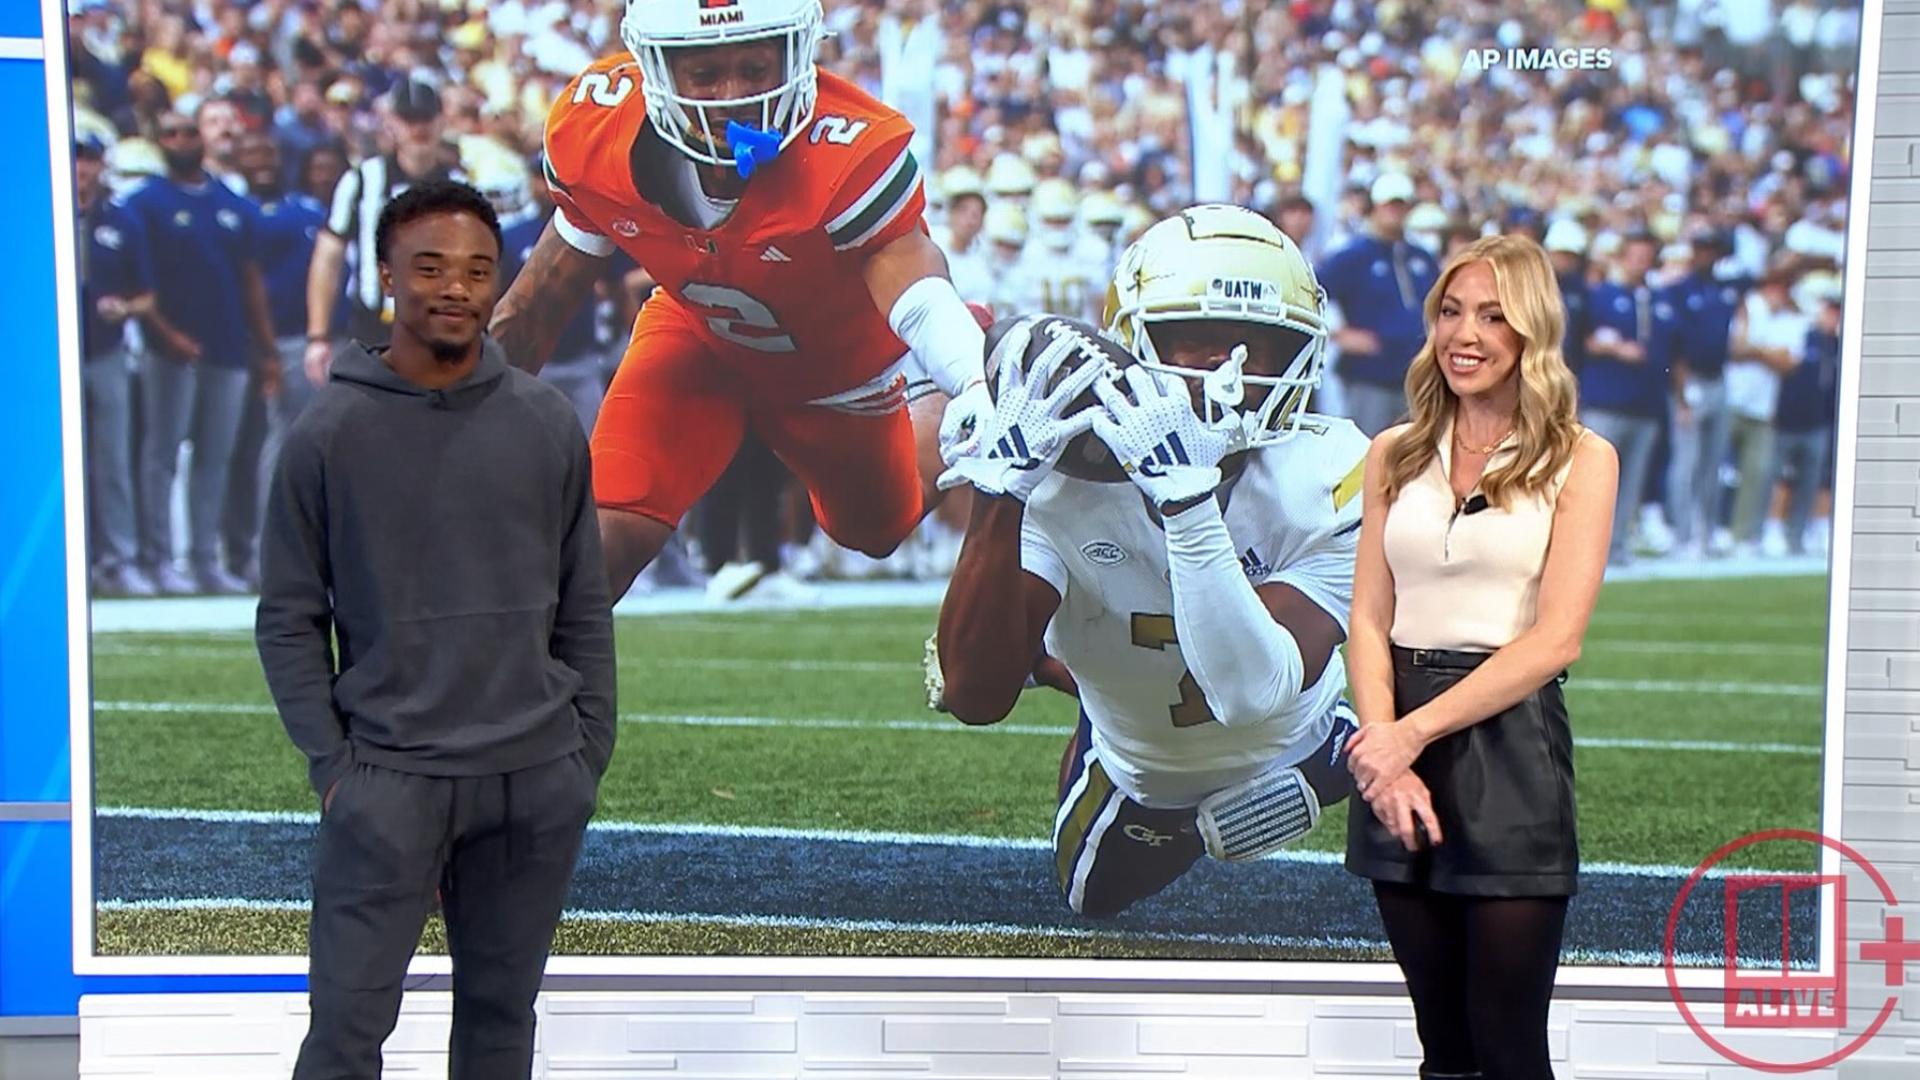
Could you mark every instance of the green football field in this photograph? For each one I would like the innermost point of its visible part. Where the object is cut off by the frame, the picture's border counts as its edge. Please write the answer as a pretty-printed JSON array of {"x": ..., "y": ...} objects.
[{"x": 1696, "y": 709}]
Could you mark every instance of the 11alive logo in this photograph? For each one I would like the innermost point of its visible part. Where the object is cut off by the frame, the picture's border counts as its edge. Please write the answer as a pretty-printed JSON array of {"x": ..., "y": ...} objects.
[{"x": 1785, "y": 996}]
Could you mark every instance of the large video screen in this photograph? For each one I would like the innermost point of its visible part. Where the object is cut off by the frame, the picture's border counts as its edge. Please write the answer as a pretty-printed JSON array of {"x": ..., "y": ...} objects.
[{"x": 782, "y": 787}]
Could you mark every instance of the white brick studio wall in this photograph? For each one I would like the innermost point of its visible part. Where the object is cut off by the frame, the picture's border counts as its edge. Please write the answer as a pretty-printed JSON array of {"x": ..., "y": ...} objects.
[{"x": 785, "y": 1029}]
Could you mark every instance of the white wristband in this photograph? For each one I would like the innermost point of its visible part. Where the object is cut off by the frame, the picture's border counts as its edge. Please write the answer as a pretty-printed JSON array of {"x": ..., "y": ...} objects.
[{"x": 935, "y": 323}]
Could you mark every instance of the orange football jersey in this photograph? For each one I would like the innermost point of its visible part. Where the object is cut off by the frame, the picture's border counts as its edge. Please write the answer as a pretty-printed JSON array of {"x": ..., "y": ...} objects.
[{"x": 776, "y": 287}]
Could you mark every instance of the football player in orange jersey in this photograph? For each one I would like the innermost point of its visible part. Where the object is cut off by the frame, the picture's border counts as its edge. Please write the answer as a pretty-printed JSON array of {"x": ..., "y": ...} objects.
[{"x": 780, "y": 211}]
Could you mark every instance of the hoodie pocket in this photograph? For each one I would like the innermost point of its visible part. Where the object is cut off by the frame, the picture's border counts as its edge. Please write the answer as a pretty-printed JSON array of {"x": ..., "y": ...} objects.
[{"x": 463, "y": 687}]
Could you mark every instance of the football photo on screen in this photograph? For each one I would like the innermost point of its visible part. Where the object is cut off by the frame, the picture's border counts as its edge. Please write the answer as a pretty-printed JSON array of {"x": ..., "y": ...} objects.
[{"x": 789, "y": 780}]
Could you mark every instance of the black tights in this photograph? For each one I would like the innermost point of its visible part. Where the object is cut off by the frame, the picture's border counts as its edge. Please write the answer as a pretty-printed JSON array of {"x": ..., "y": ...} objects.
[{"x": 1480, "y": 970}]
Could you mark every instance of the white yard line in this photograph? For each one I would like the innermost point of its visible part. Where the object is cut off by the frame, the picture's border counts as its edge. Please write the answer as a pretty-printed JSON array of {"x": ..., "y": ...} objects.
[
  {"x": 834, "y": 836},
  {"x": 106, "y": 645}
]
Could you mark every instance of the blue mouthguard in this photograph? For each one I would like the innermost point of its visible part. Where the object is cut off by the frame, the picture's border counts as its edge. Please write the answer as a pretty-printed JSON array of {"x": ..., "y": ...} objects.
[{"x": 752, "y": 147}]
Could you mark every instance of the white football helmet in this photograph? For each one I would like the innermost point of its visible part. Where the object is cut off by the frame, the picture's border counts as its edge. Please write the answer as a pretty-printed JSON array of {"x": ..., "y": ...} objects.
[
  {"x": 653, "y": 27},
  {"x": 509, "y": 190},
  {"x": 1053, "y": 207},
  {"x": 1010, "y": 178},
  {"x": 1219, "y": 262},
  {"x": 1006, "y": 224}
]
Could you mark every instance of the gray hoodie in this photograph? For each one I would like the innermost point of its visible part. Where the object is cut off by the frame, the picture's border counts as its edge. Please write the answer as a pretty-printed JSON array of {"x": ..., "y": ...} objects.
[{"x": 448, "y": 540}]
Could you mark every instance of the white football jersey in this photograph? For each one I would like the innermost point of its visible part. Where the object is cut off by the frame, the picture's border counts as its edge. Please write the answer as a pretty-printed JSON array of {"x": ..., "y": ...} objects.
[
  {"x": 1070, "y": 282},
  {"x": 1294, "y": 515}
]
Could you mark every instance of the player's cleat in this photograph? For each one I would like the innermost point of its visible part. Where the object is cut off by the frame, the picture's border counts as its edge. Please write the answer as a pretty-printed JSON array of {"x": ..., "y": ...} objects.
[
  {"x": 218, "y": 581},
  {"x": 131, "y": 580},
  {"x": 782, "y": 588},
  {"x": 936, "y": 682},
  {"x": 1260, "y": 815},
  {"x": 733, "y": 581},
  {"x": 172, "y": 581}
]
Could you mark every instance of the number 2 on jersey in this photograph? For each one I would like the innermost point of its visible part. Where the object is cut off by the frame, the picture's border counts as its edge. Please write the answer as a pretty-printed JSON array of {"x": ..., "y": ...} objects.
[
  {"x": 746, "y": 321},
  {"x": 1156, "y": 632}
]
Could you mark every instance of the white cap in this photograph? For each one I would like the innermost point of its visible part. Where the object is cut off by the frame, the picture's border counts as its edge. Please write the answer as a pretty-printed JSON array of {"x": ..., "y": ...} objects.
[
  {"x": 1567, "y": 235},
  {"x": 1389, "y": 186}
]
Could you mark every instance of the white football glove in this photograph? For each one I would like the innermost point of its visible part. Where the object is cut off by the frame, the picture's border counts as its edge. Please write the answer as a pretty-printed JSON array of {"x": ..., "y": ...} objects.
[
  {"x": 1166, "y": 448},
  {"x": 961, "y": 423},
  {"x": 1016, "y": 443}
]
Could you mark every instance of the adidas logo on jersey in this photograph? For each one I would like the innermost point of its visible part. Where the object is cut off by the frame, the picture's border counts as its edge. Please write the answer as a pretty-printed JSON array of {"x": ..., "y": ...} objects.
[
  {"x": 774, "y": 254},
  {"x": 1256, "y": 567}
]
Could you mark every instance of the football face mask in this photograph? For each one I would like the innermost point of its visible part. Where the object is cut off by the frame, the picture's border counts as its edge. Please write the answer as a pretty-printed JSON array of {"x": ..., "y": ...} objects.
[
  {"x": 1218, "y": 296},
  {"x": 781, "y": 36}
]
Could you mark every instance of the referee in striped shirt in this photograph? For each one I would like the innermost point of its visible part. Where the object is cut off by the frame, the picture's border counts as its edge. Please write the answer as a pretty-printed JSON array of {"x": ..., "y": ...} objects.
[{"x": 346, "y": 245}]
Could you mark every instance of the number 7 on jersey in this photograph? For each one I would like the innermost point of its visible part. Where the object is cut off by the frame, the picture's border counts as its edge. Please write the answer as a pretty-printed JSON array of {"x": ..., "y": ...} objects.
[{"x": 1156, "y": 632}]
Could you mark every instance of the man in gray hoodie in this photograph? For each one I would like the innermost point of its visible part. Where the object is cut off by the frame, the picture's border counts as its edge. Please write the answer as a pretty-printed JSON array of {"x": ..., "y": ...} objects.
[{"x": 432, "y": 511}]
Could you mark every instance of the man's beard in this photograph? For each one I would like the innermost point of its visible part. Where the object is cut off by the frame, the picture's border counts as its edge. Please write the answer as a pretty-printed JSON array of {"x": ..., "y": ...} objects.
[
  {"x": 184, "y": 162},
  {"x": 449, "y": 352}
]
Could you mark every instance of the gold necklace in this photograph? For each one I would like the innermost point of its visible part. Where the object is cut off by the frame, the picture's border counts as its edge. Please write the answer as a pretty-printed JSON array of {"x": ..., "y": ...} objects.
[{"x": 1488, "y": 449}]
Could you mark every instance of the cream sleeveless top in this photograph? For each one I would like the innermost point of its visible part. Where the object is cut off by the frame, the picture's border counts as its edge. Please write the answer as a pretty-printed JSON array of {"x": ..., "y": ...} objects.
[{"x": 1466, "y": 579}]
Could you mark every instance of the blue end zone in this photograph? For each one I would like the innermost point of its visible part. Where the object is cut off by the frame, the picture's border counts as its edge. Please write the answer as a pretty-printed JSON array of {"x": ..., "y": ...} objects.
[{"x": 837, "y": 882}]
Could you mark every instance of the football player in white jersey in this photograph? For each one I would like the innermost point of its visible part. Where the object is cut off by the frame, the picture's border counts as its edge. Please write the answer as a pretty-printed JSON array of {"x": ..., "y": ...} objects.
[
  {"x": 1178, "y": 531},
  {"x": 1057, "y": 274}
]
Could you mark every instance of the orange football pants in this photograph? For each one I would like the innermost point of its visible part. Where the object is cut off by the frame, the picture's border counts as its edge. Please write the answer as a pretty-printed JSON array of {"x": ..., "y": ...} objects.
[{"x": 678, "y": 409}]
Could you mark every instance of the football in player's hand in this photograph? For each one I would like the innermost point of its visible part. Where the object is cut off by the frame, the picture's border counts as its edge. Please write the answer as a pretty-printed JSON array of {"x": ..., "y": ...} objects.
[{"x": 1086, "y": 457}]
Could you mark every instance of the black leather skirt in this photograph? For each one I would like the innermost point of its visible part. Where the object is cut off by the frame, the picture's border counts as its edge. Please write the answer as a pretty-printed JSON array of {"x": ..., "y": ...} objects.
[{"x": 1502, "y": 789}]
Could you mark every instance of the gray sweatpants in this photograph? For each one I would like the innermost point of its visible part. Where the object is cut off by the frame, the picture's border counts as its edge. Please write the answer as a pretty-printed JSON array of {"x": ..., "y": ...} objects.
[
  {"x": 108, "y": 382},
  {"x": 1696, "y": 453},
  {"x": 263, "y": 430},
  {"x": 181, "y": 402},
  {"x": 501, "y": 851},
  {"x": 1633, "y": 438}
]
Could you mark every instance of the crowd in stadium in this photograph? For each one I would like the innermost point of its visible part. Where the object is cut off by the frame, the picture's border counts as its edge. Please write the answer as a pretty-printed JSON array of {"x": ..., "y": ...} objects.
[{"x": 1693, "y": 191}]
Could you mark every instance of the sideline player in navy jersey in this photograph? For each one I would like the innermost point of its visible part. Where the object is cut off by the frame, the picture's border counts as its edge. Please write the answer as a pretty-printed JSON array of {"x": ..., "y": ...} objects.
[
  {"x": 288, "y": 224},
  {"x": 116, "y": 284},
  {"x": 209, "y": 323},
  {"x": 1702, "y": 426},
  {"x": 579, "y": 367},
  {"x": 1623, "y": 385},
  {"x": 1379, "y": 281}
]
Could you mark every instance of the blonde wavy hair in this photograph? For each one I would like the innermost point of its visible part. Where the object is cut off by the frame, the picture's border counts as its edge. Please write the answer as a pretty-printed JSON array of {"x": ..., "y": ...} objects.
[{"x": 1545, "y": 427}]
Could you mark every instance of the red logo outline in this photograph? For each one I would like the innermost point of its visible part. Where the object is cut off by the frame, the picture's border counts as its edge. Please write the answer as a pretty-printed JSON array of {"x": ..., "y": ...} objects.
[{"x": 1673, "y": 925}]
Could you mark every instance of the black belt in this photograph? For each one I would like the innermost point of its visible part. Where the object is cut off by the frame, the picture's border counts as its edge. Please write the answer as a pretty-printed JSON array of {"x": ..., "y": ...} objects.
[
  {"x": 1440, "y": 658},
  {"x": 1448, "y": 659}
]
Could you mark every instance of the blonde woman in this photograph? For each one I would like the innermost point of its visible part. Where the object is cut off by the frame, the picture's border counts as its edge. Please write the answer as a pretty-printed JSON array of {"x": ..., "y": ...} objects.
[{"x": 1482, "y": 546}]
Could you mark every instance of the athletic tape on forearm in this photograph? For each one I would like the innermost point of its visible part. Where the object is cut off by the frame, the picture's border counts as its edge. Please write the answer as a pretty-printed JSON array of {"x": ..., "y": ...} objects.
[
  {"x": 935, "y": 323},
  {"x": 1247, "y": 664}
]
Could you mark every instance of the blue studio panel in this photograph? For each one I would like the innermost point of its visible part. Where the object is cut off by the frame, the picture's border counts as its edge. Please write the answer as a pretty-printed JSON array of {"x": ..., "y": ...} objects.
[{"x": 36, "y": 967}]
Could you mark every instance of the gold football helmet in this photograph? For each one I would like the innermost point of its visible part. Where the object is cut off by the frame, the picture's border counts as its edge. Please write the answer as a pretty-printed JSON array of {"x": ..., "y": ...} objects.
[{"x": 1225, "y": 263}]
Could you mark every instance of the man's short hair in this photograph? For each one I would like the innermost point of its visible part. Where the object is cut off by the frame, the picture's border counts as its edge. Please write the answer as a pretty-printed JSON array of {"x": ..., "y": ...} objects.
[{"x": 427, "y": 199}]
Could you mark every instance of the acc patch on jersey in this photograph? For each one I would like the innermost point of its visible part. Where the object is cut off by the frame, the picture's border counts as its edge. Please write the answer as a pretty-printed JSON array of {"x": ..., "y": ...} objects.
[{"x": 1103, "y": 552}]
